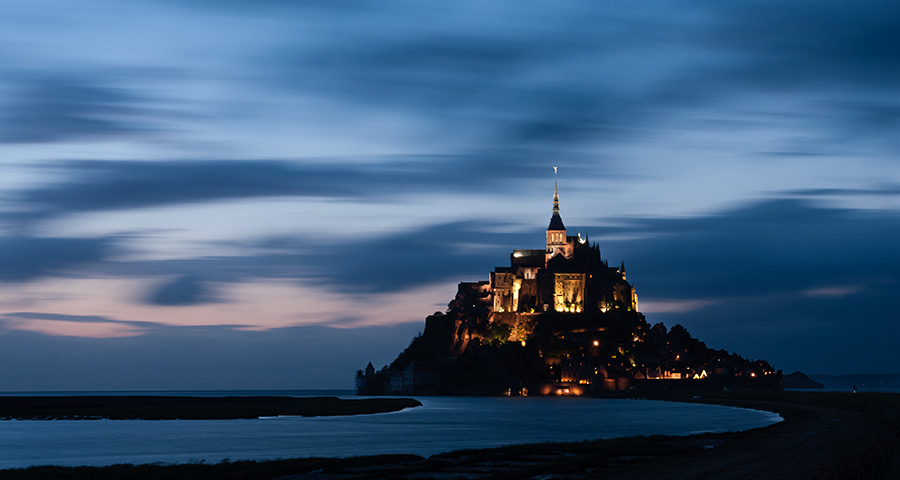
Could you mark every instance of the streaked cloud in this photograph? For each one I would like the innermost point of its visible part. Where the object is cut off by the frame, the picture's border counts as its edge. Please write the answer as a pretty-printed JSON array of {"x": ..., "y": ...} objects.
[
  {"x": 57, "y": 109},
  {"x": 71, "y": 325},
  {"x": 230, "y": 171},
  {"x": 833, "y": 291},
  {"x": 85, "y": 185},
  {"x": 674, "y": 306},
  {"x": 24, "y": 258},
  {"x": 184, "y": 290}
]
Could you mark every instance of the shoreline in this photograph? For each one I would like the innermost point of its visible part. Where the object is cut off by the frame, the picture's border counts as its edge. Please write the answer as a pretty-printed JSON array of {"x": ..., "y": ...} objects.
[
  {"x": 823, "y": 435},
  {"x": 138, "y": 407}
]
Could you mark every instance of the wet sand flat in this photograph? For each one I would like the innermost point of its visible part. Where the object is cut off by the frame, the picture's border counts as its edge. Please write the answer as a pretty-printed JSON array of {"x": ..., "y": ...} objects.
[{"x": 823, "y": 436}]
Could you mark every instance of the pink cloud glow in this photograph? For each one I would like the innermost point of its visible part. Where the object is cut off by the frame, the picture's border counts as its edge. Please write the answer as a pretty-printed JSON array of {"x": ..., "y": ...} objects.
[
  {"x": 674, "y": 306},
  {"x": 66, "y": 328},
  {"x": 260, "y": 305},
  {"x": 833, "y": 291}
]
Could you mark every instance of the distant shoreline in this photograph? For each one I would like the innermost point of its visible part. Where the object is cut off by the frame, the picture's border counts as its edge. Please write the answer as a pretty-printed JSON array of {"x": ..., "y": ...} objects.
[{"x": 139, "y": 407}]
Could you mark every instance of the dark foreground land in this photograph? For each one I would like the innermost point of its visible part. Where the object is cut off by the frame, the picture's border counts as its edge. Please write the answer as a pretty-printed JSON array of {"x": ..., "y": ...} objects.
[
  {"x": 189, "y": 408},
  {"x": 825, "y": 435}
]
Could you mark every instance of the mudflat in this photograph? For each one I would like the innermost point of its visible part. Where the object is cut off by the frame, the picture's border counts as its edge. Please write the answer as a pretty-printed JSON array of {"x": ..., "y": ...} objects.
[
  {"x": 189, "y": 408},
  {"x": 824, "y": 435}
]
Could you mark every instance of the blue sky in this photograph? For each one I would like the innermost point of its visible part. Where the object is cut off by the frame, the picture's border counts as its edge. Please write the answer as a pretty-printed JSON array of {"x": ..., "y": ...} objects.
[{"x": 270, "y": 194}]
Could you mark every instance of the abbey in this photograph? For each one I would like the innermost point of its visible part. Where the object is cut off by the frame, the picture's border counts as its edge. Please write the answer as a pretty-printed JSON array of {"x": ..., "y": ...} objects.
[
  {"x": 557, "y": 320},
  {"x": 567, "y": 276}
]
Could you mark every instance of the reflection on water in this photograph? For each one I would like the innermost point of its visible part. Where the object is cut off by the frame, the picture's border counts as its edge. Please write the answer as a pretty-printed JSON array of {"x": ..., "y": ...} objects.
[{"x": 441, "y": 424}]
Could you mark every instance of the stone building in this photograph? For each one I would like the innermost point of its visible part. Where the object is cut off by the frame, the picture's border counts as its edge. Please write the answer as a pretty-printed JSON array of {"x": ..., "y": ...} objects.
[
  {"x": 556, "y": 321},
  {"x": 568, "y": 275}
]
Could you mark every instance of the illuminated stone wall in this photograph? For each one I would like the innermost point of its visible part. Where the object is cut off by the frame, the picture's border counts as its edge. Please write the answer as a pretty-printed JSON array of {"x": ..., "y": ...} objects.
[
  {"x": 558, "y": 244},
  {"x": 568, "y": 292},
  {"x": 624, "y": 294},
  {"x": 529, "y": 300},
  {"x": 502, "y": 289}
]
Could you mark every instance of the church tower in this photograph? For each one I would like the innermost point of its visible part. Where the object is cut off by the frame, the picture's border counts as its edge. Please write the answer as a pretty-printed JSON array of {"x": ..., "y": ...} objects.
[{"x": 556, "y": 232}]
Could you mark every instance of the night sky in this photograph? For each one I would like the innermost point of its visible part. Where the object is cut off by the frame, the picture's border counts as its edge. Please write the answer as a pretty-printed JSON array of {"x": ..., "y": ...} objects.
[{"x": 263, "y": 194}]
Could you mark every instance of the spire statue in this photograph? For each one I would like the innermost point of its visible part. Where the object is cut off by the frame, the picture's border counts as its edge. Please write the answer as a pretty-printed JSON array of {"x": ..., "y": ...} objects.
[{"x": 555, "y": 194}]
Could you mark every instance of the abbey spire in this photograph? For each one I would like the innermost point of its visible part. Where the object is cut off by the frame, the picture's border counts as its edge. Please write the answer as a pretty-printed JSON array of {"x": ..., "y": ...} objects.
[
  {"x": 556, "y": 223},
  {"x": 555, "y": 194},
  {"x": 557, "y": 242}
]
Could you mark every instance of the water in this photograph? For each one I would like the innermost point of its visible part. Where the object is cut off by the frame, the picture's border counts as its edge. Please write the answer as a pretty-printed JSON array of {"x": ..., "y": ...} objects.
[
  {"x": 345, "y": 393},
  {"x": 441, "y": 424},
  {"x": 889, "y": 383}
]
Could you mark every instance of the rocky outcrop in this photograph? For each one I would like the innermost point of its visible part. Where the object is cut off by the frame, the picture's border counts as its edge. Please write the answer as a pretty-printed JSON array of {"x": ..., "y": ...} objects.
[{"x": 799, "y": 380}]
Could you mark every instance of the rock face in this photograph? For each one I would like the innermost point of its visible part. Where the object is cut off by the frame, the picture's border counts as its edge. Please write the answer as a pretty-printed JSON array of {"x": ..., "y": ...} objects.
[
  {"x": 799, "y": 380},
  {"x": 469, "y": 351}
]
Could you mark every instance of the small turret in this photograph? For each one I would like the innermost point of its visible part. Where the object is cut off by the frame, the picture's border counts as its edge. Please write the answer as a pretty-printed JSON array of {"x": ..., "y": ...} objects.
[{"x": 622, "y": 270}]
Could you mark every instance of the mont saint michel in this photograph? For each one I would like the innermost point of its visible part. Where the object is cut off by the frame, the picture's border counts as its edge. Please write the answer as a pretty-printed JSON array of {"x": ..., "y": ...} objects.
[{"x": 556, "y": 321}]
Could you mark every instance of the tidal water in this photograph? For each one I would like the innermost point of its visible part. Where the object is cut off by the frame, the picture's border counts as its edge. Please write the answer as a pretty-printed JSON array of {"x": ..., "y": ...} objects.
[{"x": 441, "y": 424}]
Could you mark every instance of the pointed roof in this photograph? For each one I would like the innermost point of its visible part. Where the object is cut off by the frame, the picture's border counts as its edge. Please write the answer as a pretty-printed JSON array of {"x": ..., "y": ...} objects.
[{"x": 556, "y": 222}]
